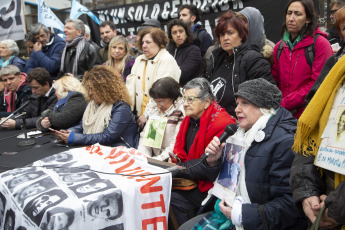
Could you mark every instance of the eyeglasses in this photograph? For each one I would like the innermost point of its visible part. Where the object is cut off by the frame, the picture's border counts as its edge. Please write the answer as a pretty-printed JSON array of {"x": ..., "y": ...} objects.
[
  {"x": 190, "y": 100},
  {"x": 333, "y": 11}
]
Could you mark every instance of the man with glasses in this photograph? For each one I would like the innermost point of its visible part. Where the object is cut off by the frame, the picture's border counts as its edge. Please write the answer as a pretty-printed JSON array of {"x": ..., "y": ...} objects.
[
  {"x": 333, "y": 36},
  {"x": 46, "y": 51}
]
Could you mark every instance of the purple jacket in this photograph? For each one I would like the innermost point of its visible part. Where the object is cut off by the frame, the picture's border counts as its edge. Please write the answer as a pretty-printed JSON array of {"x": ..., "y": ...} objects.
[{"x": 292, "y": 73}]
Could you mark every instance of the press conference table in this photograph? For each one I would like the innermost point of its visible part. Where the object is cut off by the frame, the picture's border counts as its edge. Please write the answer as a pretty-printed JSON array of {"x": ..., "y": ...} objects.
[{"x": 12, "y": 156}]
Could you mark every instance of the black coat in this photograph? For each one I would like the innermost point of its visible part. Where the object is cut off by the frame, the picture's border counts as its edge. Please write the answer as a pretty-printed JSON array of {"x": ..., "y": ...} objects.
[
  {"x": 22, "y": 95},
  {"x": 88, "y": 58},
  {"x": 188, "y": 58},
  {"x": 35, "y": 108},
  {"x": 226, "y": 73}
]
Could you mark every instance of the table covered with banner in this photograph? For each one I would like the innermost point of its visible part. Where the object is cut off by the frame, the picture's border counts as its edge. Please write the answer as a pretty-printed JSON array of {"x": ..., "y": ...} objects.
[{"x": 93, "y": 187}]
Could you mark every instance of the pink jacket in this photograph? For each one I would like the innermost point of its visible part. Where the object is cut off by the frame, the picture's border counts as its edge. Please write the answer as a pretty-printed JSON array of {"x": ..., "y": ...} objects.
[{"x": 292, "y": 73}]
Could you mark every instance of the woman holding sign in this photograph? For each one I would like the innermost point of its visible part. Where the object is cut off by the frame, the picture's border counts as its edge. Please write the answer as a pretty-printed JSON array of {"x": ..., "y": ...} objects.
[{"x": 263, "y": 197}]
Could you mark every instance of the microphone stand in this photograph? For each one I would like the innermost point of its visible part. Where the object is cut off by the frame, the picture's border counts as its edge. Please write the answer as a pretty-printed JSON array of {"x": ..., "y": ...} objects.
[{"x": 26, "y": 142}]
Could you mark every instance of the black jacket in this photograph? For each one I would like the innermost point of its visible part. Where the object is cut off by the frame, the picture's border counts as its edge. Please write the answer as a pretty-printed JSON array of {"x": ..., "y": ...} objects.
[
  {"x": 226, "y": 73},
  {"x": 35, "y": 108},
  {"x": 205, "y": 39},
  {"x": 88, "y": 58},
  {"x": 188, "y": 58},
  {"x": 22, "y": 95}
]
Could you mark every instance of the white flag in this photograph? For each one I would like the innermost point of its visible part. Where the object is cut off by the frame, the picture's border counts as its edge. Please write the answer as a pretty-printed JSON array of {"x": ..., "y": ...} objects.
[
  {"x": 78, "y": 9},
  {"x": 47, "y": 17}
]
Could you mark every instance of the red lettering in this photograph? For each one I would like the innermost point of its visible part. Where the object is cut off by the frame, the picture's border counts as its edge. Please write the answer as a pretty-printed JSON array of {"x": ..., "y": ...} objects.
[
  {"x": 155, "y": 221},
  {"x": 121, "y": 169},
  {"x": 94, "y": 149},
  {"x": 147, "y": 187},
  {"x": 113, "y": 154},
  {"x": 159, "y": 203}
]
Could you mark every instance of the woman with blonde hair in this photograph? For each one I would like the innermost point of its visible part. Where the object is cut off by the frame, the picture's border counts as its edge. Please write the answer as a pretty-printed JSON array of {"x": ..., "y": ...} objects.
[
  {"x": 70, "y": 107},
  {"x": 108, "y": 118},
  {"x": 119, "y": 58}
]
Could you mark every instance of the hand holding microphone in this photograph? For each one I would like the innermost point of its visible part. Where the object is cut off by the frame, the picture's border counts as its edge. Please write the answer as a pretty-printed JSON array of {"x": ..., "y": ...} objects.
[{"x": 214, "y": 149}]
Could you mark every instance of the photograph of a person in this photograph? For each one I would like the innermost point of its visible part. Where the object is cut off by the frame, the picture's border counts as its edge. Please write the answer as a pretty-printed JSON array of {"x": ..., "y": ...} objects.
[
  {"x": 106, "y": 206},
  {"x": 59, "y": 218},
  {"x": 340, "y": 137},
  {"x": 114, "y": 227},
  {"x": 36, "y": 208},
  {"x": 2, "y": 208},
  {"x": 73, "y": 178},
  {"x": 59, "y": 157},
  {"x": 228, "y": 177},
  {"x": 17, "y": 171},
  {"x": 154, "y": 132},
  {"x": 23, "y": 178},
  {"x": 69, "y": 168},
  {"x": 34, "y": 189},
  {"x": 10, "y": 220},
  {"x": 91, "y": 187}
]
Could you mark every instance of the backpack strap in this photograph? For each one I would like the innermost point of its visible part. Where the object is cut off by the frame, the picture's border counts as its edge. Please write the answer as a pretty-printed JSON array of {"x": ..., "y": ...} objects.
[
  {"x": 310, "y": 52},
  {"x": 280, "y": 50}
]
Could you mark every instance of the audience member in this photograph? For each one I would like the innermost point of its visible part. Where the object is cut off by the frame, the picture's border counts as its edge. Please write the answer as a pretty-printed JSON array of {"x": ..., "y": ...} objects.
[
  {"x": 333, "y": 36},
  {"x": 263, "y": 198},
  {"x": 233, "y": 62},
  {"x": 120, "y": 59},
  {"x": 165, "y": 92},
  {"x": 317, "y": 188},
  {"x": 190, "y": 14},
  {"x": 204, "y": 120},
  {"x": 132, "y": 40},
  {"x": 46, "y": 51},
  {"x": 87, "y": 37},
  {"x": 108, "y": 31},
  {"x": 43, "y": 98},
  {"x": 8, "y": 55},
  {"x": 108, "y": 119},
  {"x": 78, "y": 55},
  {"x": 16, "y": 91},
  {"x": 153, "y": 64},
  {"x": 293, "y": 69},
  {"x": 70, "y": 107},
  {"x": 339, "y": 25},
  {"x": 30, "y": 41},
  {"x": 182, "y": 47}
]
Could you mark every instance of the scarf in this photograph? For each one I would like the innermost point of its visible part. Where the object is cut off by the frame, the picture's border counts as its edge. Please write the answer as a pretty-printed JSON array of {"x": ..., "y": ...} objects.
[
  {"x": 314, "y": 119},
  {"x": 5, "y": 63},
  {"x": 96, "y": 117},
  {"x": 286, "y": 39},
  {"x": 212, "y": 123},
  {"x": 10, "y": 97},
  {"x": 78, "y": 41},
  {"x": 61, "y": 103}
]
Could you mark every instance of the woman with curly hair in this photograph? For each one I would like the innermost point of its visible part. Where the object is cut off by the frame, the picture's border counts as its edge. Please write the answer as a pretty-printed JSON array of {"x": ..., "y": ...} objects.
[
  {"x": 119, "y": 58},
  {"x": 155, "y": 63},
  {"x": 183, "y": 46},
  {"x": 108, "y": 118}
]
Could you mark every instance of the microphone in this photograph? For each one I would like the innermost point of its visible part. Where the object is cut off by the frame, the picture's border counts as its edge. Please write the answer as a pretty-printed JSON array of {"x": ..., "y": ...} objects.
[
  {"x": 16, "y": 111},
  {"x": 229, "y": 130}
]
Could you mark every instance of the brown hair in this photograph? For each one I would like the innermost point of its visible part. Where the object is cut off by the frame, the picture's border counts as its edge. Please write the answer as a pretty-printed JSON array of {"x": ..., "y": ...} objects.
[
  {"x": 158, "y": 37},
  {"x": 106, "y": 84},
  {"x": 339, "y": 19},
  {"x": 235, "y": 20}
]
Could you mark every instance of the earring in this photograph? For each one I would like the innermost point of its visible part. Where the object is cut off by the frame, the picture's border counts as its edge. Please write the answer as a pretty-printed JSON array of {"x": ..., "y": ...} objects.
[{"x": 306, "y": 24}]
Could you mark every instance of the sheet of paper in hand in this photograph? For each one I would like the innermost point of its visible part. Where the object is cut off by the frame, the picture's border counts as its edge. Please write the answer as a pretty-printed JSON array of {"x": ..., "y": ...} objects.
[
  {"x": 154, "y": 131},
  {"x": 227, "y": 182},
  {"x": 331, "y": 154}
]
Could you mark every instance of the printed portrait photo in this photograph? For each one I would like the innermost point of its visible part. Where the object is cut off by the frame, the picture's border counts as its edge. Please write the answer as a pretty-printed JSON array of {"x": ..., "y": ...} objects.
[
  {"x": 59, "y": 218},
  {"x": 91, "y": 187}
]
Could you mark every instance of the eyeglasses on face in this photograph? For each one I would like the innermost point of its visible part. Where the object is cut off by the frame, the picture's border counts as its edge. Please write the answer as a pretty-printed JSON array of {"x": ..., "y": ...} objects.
[{"x": 190, "y": 100}]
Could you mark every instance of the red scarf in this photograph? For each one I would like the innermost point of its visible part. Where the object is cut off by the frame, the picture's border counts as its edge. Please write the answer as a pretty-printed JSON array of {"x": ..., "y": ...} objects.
[
  {"x": 212, "y": 123},
  {"x": 12, "y": 97}
]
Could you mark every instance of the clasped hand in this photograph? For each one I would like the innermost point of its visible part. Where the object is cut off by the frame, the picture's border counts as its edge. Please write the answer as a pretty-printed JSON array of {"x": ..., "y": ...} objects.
[{"x": 214, "y": 149}]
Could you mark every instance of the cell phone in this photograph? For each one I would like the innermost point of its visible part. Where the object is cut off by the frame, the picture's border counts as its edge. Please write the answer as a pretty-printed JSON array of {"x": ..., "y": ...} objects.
[{"x": 53, "y": 130}]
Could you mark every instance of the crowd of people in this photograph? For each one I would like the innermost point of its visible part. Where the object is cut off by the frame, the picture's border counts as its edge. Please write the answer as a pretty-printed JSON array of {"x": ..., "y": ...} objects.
[{"x": 171, "y": 95}]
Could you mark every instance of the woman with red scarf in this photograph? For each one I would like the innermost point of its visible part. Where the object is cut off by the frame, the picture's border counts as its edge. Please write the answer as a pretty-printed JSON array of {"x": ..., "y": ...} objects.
[{"x": 204, "y": 120}]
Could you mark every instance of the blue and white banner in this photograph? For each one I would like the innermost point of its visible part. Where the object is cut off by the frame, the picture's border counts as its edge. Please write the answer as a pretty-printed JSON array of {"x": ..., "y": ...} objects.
[
  {"x": 47, "y": 17},
  {"x": 78, "y": 9},
  {"x": 12, "y": 24}
]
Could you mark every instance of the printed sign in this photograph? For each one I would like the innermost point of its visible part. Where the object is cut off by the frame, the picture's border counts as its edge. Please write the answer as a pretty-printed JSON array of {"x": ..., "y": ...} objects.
[{"x": 12, "y": 25}]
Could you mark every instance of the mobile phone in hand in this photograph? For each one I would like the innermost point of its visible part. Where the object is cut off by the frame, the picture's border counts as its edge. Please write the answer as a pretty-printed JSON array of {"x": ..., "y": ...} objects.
[{"x": 53, "y": 130}]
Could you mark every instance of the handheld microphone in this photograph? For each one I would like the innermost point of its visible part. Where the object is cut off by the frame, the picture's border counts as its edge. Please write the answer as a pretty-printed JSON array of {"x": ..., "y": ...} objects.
[{"x": 229, "y": 130}]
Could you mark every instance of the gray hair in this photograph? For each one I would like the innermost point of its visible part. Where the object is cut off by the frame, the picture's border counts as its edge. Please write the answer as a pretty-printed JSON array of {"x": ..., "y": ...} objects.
[
  {"x": 78, "y": 24},
  {"x": 203, "y": 85},
  {"x": 11, "y": 45},
  {"x": 35, "y": 28},
  {"x": 87, "y": 30},
  {"x": 9, "y": 69}
]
